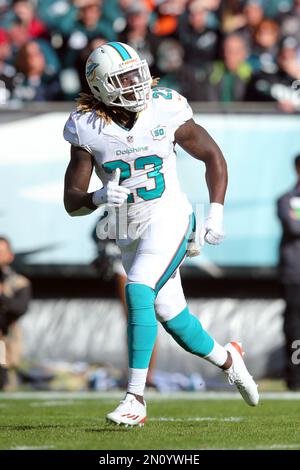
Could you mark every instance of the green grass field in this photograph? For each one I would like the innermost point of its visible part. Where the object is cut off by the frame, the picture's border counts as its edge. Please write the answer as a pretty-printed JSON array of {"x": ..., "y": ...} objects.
[{"x": 69, "y": 423}]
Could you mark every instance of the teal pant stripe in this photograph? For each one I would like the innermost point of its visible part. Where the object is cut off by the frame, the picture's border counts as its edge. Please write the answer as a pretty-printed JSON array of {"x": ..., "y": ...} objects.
[
  {"x": 187, "y": 331},
  {"x": 179, "y": 255},
  {"x": 120, "y": 49},
  {"x": 142, "y": 324}
]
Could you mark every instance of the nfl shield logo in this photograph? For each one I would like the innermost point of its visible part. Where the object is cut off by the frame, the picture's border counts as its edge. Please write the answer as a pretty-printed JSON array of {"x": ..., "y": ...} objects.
[{"x": 130, "y": 139}]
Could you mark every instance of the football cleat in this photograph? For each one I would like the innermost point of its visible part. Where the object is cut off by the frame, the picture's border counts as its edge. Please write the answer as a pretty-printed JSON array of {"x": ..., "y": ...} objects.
[
  {"x": 130, "y": 412},
  {"x": 238, "y": 375}
]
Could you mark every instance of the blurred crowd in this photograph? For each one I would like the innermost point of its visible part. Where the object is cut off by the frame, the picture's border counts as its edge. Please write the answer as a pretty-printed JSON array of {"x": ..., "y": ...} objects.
[{"x": 208, "y": 50}]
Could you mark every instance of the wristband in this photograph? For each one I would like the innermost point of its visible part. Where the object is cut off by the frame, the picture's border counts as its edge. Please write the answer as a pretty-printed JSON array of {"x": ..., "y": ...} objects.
[
  {"x": 98, "y": 197},
  {"x": 216, "y": 211}
]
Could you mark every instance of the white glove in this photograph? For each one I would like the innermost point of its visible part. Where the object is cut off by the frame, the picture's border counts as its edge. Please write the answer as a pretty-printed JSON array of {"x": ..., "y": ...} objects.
[
  {"x": 212, "y": 231},
  {"x": 112, "y": 193}
]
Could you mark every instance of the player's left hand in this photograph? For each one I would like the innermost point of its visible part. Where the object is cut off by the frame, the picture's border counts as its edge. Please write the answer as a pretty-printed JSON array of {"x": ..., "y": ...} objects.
[{"x": 212, "y": 231}]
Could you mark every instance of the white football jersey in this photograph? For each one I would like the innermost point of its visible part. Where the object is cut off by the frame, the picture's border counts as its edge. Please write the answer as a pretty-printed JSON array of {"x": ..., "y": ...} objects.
[{"x": 145, "y": 154}]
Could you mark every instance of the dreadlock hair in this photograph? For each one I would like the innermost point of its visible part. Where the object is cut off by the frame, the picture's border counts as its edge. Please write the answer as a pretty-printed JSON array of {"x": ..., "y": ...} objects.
[{"x": 86, "y": 102}]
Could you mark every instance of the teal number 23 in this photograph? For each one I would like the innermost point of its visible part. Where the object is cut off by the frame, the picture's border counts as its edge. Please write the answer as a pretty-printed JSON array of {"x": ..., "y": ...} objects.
[
  {"x": 164, "y": 92},
  {"x": 139, "y": 164}
]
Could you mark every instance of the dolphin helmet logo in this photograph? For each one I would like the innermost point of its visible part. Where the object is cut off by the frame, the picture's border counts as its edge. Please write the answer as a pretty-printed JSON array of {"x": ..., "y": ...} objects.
[{"x": 90, "y": 67}]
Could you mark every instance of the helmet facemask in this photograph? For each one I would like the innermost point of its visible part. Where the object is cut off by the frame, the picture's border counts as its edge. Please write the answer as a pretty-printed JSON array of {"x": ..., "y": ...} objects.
[{"x": 130, "y": 87}]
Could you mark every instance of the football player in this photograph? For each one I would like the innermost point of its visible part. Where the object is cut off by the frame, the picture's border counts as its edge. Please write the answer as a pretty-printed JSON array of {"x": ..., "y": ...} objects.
[{"x": 127, "y": 130}]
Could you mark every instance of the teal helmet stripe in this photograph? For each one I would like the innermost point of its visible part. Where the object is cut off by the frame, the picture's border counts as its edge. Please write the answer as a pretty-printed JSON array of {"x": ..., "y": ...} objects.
[{"x": 120, "y": 49}]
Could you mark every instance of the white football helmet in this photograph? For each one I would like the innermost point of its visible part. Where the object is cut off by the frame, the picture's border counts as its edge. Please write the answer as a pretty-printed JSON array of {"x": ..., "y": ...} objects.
[{"x": 118, "y": 77}]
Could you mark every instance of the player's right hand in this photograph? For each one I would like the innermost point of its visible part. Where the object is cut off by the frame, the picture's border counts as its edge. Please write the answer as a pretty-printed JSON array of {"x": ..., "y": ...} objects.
[
  {"x": 212, "y": 231},
  {"x": 112, "y": 193}
]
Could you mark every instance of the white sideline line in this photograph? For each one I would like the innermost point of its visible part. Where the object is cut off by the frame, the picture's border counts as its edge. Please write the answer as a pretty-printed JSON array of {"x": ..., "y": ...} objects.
[
  {"x": 230, "y": 419},
  {"x": 52, "y": 403},
  {"x": 31, "y": 447},
  {"x": 154, "y": 396},
  {"x": 271, "y": 447},
  {"x": 279, "y": 446},
  {"x": 266, "y": 447}
]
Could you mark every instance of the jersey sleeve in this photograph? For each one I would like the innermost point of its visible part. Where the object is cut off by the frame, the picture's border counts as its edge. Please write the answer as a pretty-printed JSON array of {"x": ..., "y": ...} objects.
[
  {"x": 173, "y": 106},
  {"x": 72, "y": 132},
  {"x": 182, "y": 110}
]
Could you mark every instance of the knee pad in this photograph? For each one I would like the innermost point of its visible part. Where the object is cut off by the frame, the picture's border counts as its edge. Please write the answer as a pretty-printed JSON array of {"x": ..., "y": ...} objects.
[{"x": 140, "y": 303}]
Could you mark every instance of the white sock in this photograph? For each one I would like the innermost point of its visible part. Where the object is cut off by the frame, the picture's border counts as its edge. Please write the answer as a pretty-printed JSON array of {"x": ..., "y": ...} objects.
[
  {"x": 218, "y": 355},
  {"x": 137, "y": 380}
]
